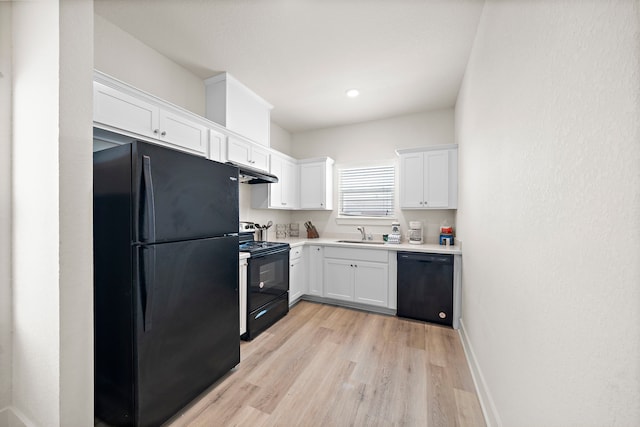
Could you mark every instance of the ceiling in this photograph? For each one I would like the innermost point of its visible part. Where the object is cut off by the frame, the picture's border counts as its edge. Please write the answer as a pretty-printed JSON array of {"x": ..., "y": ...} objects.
[{"x": 301, "y": 56}]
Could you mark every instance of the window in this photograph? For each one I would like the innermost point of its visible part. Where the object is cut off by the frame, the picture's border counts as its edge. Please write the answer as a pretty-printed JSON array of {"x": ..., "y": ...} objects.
[{"x": 367, "y": 191}]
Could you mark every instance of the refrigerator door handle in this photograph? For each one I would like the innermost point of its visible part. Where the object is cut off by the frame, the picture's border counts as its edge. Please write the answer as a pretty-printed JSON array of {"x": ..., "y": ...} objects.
[
  {"x": 147, "y": 284},
  {"x": 150, "y": 199}
]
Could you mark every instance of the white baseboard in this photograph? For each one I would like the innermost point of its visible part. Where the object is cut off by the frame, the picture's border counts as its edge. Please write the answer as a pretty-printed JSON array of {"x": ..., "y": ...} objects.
[
  {"x": 491, "y": 417},
  {"x": 10, "y": 418}
]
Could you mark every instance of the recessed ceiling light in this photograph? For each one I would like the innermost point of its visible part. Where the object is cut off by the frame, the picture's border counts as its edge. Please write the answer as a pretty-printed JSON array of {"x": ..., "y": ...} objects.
[{"x": 352, "y": 93}]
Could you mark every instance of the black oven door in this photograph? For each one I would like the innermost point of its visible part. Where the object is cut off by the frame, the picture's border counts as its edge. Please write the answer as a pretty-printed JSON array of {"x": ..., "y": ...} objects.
[{"x": 267, "y": 277}]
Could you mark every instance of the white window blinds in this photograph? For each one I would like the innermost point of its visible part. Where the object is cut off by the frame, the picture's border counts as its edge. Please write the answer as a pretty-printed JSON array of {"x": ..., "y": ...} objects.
[{"x": 367, "y": 191}]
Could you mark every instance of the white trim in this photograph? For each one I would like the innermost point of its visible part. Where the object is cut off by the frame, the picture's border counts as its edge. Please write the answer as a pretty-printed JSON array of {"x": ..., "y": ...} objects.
[
  {"x": 328, "y": 160},
  {"x": 489, "y": 411},
  {"x": 11, "y": 417},
  {"x": 226, "y": 77},
  {"x": 366, "y": 220},
  {"x": 400, "y": 151}
]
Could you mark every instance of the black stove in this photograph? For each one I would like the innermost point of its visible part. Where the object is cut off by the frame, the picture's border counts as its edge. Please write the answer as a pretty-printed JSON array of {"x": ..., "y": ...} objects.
[
  {"x": 259, "y": 248},
  {"x": 267, "y": 283}
]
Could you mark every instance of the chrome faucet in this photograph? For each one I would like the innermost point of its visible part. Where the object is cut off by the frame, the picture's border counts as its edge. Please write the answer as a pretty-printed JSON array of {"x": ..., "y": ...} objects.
[{"x": 361, "y": 230}]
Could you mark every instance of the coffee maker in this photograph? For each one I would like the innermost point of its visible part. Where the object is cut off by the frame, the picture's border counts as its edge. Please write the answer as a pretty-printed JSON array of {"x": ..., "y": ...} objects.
[{"x": 415, "y": 232}]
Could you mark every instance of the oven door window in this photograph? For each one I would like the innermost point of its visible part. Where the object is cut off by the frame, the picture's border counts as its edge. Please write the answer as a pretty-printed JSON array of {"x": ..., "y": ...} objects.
[{"x": 268, "y": 278}]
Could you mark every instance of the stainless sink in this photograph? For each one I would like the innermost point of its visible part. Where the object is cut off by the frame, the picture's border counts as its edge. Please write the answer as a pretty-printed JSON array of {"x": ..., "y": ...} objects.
[{"x": 364, "y": 242}]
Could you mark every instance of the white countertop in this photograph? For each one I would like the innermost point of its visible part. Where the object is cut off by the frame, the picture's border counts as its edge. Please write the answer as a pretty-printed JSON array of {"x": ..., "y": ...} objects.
[{"x": 425, "y": 247}]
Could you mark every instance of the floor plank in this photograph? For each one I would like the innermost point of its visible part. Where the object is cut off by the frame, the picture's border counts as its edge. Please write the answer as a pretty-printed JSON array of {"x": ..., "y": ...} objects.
[{"x": 323, "y": 365}]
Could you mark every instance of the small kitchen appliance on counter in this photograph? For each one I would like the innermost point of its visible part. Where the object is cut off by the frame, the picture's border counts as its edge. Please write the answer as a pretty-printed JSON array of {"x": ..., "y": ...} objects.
[
  {"x": 415, "y": 232},
  {"x": 446, "y": 235},
  {"x": 394, "y": 236}
]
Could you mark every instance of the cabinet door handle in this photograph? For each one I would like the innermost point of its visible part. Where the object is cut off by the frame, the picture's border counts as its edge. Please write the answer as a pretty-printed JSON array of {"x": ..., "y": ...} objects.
[
  {"x": 420, "y": 202},
  {"x": 163, "y": 133},
  {"x": 156, "y": 131}
]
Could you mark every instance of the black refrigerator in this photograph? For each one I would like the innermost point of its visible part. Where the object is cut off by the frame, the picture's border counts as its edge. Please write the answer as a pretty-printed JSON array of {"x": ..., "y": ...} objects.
[{"x": 166, "y": 309}]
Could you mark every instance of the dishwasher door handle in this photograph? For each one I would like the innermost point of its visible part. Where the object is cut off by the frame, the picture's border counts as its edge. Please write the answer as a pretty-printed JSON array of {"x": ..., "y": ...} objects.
[{"x": 427, "y": 258}]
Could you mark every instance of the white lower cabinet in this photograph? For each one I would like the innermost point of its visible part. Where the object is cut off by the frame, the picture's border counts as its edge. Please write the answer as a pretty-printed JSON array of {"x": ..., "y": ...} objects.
[
  {"x": 297, "y": 282},
  {"x": 371, "y": 285},
  {"x": 315, "y": 256},
  {"x": 242, "y": 291},
  {"x": 338, "y": 279},
  {"x": 356, "y": 275}
]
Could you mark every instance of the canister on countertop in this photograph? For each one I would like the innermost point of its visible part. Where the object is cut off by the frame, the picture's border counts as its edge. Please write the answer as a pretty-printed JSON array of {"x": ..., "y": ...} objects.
[
  {"x": 446, "y": 234},
  {"x": 294, "y": 229},
  {"x": 446, "y": 239}
]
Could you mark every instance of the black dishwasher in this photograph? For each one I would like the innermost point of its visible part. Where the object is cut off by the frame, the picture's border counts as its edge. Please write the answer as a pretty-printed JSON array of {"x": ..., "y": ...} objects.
[{"x": 425, "y": 287}]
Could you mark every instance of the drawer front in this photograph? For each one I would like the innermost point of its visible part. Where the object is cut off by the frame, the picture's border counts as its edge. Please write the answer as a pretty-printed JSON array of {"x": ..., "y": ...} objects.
[
  {"x": 373, "y": 255},
  {"x": 295, "y": 253}
]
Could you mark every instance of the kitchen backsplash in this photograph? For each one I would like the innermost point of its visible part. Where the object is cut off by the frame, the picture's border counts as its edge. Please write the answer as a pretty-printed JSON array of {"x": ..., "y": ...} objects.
[
  {"x": 327, "y": 226},
  {"x": 261, "y": 216}
]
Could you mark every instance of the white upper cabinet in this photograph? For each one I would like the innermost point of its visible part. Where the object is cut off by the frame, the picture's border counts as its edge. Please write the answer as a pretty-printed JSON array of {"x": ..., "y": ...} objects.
[
  {"x": 284, "y": 193},
  {"x": 316, "y": 184},
  {"x": 217, "y": 146},
  {"x": 236, "y": 107},
  {"x": 115, "y": 109},
  {"x": 120, "y": 110},
  {"x": 178, "y": 130},
  {"x": 247, "y": 153},
  {"x": 429, "y": 177}
]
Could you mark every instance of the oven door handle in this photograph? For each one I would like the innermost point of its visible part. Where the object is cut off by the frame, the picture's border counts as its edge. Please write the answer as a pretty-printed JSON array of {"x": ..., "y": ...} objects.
[{"x": 276, "y": 251}]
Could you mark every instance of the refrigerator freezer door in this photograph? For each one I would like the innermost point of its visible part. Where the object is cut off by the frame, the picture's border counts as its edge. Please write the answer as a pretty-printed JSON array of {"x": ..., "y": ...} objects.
[
  {"x": 178, "y": 196},
  {"x": 187, "y": 310}
]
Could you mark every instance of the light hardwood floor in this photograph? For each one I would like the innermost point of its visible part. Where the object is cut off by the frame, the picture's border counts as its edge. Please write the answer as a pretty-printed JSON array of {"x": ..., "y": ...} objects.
[{"x": 330, "y": 366}]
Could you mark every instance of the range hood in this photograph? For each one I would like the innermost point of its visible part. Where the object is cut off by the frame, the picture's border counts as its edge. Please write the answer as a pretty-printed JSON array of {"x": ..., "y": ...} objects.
[{"x": 250, "y": 175}]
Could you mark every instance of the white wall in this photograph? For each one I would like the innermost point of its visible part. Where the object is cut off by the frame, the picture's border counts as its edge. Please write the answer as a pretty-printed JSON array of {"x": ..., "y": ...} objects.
[
  {"x": 76, "y": 213},
  {"x": 52, "y": 355},
  {"x": 280, "y": 139},
  {"x": 370, "y": 143},
  {"x": 548, "y": 129},
  {"x": 126, "y": 58},
  {"x": 5, "y": 209},
  {"x": 36, "y": 348}
]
